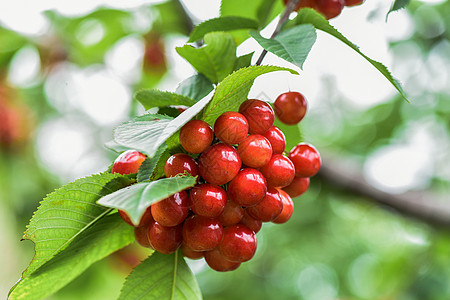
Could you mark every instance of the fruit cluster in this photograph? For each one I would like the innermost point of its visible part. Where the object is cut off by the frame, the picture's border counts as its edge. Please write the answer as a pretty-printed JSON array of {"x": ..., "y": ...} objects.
[
  {"x": 244, "y": 179},
  {"x": 329, "y": 8}
]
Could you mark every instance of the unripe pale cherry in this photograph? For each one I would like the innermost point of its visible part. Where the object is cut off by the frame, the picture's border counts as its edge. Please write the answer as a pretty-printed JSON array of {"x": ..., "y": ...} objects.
[
  {"x": 164, "y": 239},
  {"x": 259, "y": 115},
  {"x": 248, "y": 187},
  {"x": 172, "y": 210},
  {"x": 276, "y": 138},
  {"x": 279, "y": 172},
  {"x": 219, "y": 164},
  {"x": 290, "y": 107},
  {"x": 297, "y": 187},
  {"x": 306, "y": 160},
  {"x": 208, "y": 200},
  {"x": 179, "y": 163},
  {"x": 231, "y": 127},
  {"x": 128, "y": 162},
  {"x": 196, "y": 136},
  {"x": 238, "y": 243},
  {"x": 202, "y": 233},
  {"x": 288, "y": 208},
  {"x": 217, "y": 262},
  {"x": 269, "y": 208},
  {"x": 255, "y": 151}
]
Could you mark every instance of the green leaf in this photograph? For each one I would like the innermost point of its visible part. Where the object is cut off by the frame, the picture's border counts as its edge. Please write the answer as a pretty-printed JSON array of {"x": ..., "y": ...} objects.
[
  {"x": 244, "y": 61},
  {"x": 398, "y": 4},
  {"x": 195, "y": 87},
  {"x": 310, "y": 16},
  {"x": 136, "y": 198},
  {"x": 234, "y": 89},
  {"x": 216, "y": 59},
  {"x": 161, "y": 277},
  {"x": 268, "y": 10},
  {"x": 156, "y": 98},
  {"x": 68, "y": 212},
  {"x": 148, "y": 166},
  {"x": 105, "y": 237},
  {"x": 221, "y": 24}
]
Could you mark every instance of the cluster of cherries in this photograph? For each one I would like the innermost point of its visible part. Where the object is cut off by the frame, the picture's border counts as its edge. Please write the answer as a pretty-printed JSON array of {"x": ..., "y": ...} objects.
[
  {"x": 244, "y": 179},
  {"x": 329, "y": 8}
]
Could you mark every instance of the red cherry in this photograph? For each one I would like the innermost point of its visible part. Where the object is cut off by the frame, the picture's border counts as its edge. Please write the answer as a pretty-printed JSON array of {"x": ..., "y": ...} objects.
[
  {"x": 255, "y": 151},
  {"x": 202, "y": 233},
  {"x": 178, "y": 163},
  {"x": 276, "y": 138},
  {"x": 219, "y": 164},
  {"x": 238, "y": 243},
  {"x": 146, "y": 218},
  {"x": 141, "y": 236},
  {"x": 231, "y": 127},
  {"x": 196, "y": 136},
  {"x": 269, "y": 208},
  {"x": 171, "y": 211},
  {"x": 217, "y": 262},
  {"x": 353, "y": 2},
  {"x": 128, "y": 162},
  {"x": 208, "y": 200},
  {"x": 248, "y": 187},
  {"x": 306, "y": 160},
  {"x": 164, "y": 239},
  {"x": 330, "y": 8},
  {"x": 189, "y": 253},
  {"x": 232, "y": 214},
  {"x": 290, "y": 107},
  {"x": 297, "y": 187},
  {"x": 288, "y": 208},
  {"x": 251, "y": 222},
  {"x": 279, "y": 172},
  {"x": 259, "y": 115}
]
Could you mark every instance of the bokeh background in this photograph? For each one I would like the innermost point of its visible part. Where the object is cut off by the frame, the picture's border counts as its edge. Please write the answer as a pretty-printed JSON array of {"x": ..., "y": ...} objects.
[{"x": 68, "y": 71}]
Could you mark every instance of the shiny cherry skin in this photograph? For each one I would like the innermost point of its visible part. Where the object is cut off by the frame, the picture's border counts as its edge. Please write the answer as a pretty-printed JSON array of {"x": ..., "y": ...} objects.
[
  {"x": 202, "y": 233},
  {"x": 219, "y": 164},
  {"x": 145, "y": 219},
  {"x": 304, "y": 3},
  {"x": 306, "y": 160},
  {"x": 353, "y": 2},
  {"x": 255, "y": 151},
  {"x": 172, "y": 210},
  {"x": 238, "y": 243},
  {"x": 290, "y": 107},
  {"x": 208, "y": 200},
  {"x": 288, "y": 208},
  {"x": 164, "y": 239},
  {"x": 141, "y": 236},
  {"x": 248, "y": 188},
  {"x": 297, "y": 187},
  {"x": 259, "y": 115},
  {"x": 189, "y": 253},
  {"x": 330, "y": 8},
  {"x": 231, "y": 127},
  {"x": 178, "y": 163},
  {"x": 196, "y": 136},
  {"x": 269, "y": 208},
  {"x": 232, "y": 214},
  {"x": 276, "y": 138},
  {"x": 128, "y": 162},
  {"x": 279, "y": 172},
  {"x": 217, "y": 262},
  {"x": 251, "y": 222}
]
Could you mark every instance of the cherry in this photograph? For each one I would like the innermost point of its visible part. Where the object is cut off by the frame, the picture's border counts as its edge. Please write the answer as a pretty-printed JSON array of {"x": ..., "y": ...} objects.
[
  {"x": 231, "y": 127},
  {"x": 276, "y": 138},
  {"x": 196, "y": 136},
  {"x": 353, "y": 2},
  {"x": 248, "y": 187},
  {"x": 330, "y": 8},
  {"x": 219, "y": 164},
  {"x": 297, "y": 187},
  {"x": 269, "y": 208},
  {"x": 279, "y": 172},
  {"x": 154, "y": 56},
  {"x": 259, "y": 115},
  {"x": 217, "y": 262},
  {"x": 290, "y": 107},
  {"x": 306, "y": 160},
  {"x": 164, "y": 239},
  {"x": 141, "y": 236},
  {"x": 145, "y": 219},
  {"x": 304, "y": 3},
  {"x": 208, "y": 200},
  {"x": 232, "y": 214},
  {"x": 128, "y": 162},
  {"x": 238, "y": 243},
  {"x": 178, "y": 163},
  {"x": 255, "y": 151},
  {"x": 171, "y": 211},
  {"x": 288, "y": 208},
  {"x": 202, "y": 233},
  {"x": 189, "y": 253},
  {"x": 251, "y": 222}
]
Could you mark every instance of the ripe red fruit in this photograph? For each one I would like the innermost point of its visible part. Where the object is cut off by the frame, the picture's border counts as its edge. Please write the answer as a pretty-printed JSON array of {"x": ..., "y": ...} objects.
[
  {"x": 128, "y": 162},
  {"x": 189, "y": 253},
  {"x": 297, "y": 187},
  {"x": 208, "y": 200},
  {"x": 251, "y": 222},
  {"x": 259, "y": 115},
  {"x": 269, "y": 208},
  {"x": 146, "y": 218},
  {"x": 141, "y": 236},
  {"x": 232, "y": 214},
  {"x": 353, "y": 2},
  {"x": 231, "y": 127},
  {"x": 178, "y": 163},
  {"x": 238, "y": 243},
  {"x": 202, "y": 233},
  {"x": 248, "y": 187},
  {"x": 219, "y": 164},
  {"x": 330, "y": 8},
  {"x": 196, "y": 136},
  {"x": 217, "y": 262},
  {"x": 255, "y": 151},
  {"x": 276, "y": 138},
  {"x": 279, "y": 172},
  {"x": 306, "y": 160},
  {"x": 165, "y": 240},
  {"x": 171, "y": 211},
  {"x": 288, "y": 208},
  {"x": 290, "y": 107}
]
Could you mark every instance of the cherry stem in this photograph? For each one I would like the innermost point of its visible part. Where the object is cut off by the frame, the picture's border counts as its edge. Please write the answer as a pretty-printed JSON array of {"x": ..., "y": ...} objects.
[{"x": 290, "y": 7}]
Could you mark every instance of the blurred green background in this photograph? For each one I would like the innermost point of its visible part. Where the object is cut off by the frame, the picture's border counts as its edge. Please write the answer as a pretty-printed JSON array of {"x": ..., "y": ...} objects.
[{"x": 67, "y": 76}]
